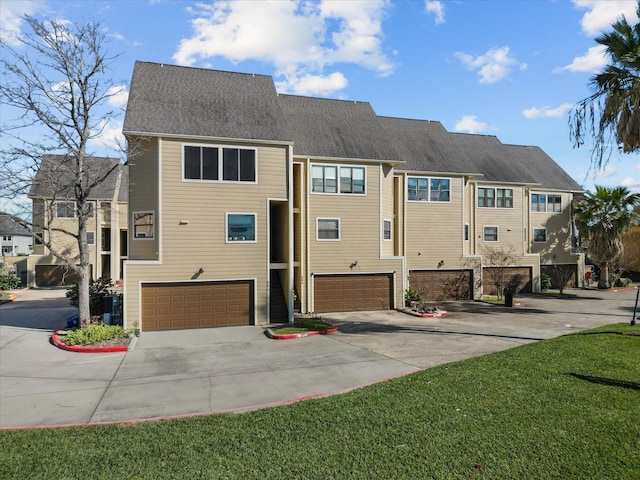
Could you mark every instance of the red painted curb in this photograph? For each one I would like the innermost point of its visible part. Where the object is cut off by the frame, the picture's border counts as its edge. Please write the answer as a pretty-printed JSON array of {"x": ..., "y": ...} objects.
[
  {"x": 292, "y": 336},
  {"x": 443, "y": 313},
  {"x": 84, "y": 348},
  {"x": 12, "y": 298}
]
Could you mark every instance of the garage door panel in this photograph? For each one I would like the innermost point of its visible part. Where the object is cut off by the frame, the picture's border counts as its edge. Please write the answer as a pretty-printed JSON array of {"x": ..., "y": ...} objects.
[
  {"x": 353, "y": 292},
  {"x": 519, "y": 275},
  {"x": 438, "y": 285},
  {"x": 196, "y": 305}
]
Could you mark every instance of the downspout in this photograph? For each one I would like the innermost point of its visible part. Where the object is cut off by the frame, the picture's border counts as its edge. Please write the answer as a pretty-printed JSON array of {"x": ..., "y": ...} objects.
[{"x": 290, "y": 269}]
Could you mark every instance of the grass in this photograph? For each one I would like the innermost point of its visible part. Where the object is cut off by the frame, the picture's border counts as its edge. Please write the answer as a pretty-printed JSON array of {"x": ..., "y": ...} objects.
[
  {"x": 303, "y": 325},
  {"x": 558, "y": 409}
]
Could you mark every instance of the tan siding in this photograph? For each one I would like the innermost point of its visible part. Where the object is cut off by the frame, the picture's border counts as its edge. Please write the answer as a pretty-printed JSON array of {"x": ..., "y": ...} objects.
[
  {"x": 434, "y": 231},
  {"x": 510, "y": 222},
  {"x": 143, "y": 196},
  {"x": 557, "y": 249},
  {"x": 387, "y": 209}
]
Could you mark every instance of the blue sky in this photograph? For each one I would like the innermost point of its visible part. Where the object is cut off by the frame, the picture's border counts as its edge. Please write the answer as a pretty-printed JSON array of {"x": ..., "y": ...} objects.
[{"x": 507, "y": 68}]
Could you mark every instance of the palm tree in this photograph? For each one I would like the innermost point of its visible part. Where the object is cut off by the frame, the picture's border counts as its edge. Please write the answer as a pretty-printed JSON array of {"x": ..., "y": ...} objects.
[
  {"x": 602, "y": 217},
  {"x": 613, "y": 110}
]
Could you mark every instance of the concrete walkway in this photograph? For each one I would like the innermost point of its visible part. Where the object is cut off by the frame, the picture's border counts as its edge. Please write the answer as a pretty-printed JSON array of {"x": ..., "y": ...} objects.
[{"x": 189, "y": 372}]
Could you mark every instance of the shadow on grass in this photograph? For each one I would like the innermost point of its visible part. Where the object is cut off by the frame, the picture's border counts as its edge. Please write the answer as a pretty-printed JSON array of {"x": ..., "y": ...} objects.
[{"x": 610, "y": 382}]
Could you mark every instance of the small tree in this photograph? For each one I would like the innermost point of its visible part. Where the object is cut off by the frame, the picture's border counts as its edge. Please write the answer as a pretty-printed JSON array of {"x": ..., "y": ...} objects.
[
  {"x": 561, "y": 274},
  {"x": 56, "y": 80},
  {"x": 499, "y": 260}
]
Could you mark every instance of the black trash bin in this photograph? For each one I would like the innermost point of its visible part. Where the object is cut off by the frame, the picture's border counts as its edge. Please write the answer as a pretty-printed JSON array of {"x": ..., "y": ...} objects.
[{"x": 508, "y": 299}]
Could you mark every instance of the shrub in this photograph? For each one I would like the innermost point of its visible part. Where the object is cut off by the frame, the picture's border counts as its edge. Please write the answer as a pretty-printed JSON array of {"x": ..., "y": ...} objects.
[
  {"x": 545, "y": 282},
  {"x": 98, "y": 289},
  {"x": 8, "y": 281},
  {"x": 411, "y": 295},
  {"x": 93, "y": 334}
]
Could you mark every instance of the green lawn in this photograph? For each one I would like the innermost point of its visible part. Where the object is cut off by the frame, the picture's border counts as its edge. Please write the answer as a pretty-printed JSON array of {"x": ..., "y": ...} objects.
[{"x": 560, "y": 409}]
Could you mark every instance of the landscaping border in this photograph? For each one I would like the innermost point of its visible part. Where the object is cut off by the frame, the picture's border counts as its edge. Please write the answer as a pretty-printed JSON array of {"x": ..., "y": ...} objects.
[
  {"x": 90, "y": 348},
  {"x": 292, "y": 336}
]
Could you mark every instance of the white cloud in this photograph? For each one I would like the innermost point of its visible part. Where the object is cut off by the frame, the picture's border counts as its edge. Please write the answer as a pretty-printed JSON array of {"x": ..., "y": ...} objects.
[
  {"x": 601, "y": 14},
  {"x": 470, "y": 124},
  {"x": 592, "y": 61},
  {"x": 108, "y": 135},
  {"x": 492, "y": 66},
  {"x": 547, "y": 112},
  {"x": 118, "y": 96},
  {"x": 11, "y": 20},
  {"x": 313, "y": 84},
  {"x": 300, "y": 38},
  {"x": 437, "y": 8},
  {"x": 606, "y": 172},
  {"x": 633, "y": 184}
]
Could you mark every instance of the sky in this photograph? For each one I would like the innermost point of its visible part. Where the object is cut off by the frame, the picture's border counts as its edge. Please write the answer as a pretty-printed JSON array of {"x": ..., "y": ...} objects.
[{"x": 509, "y": 68}]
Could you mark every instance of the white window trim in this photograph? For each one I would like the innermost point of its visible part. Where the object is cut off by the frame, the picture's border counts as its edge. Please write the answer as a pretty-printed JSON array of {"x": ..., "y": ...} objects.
[
  {"x": 133, "y": 224},
  {"x": 94, "y": 238},
  {"x": 337, "y": 166},
  {"x": 220, "y": 164},
  {"x": 328, "y": 239},
  {"x": 511, "y": 197},
  {"x": 484, "y": 235},
  {"x": 546, "y": 195},
  {"x": 428, "y": 200},
  {"x": 73, "y": 208},
  {"x": 546, "y": 238},
  {"x": 226, "y": 228},
  {"x": 390, "y": 230}
]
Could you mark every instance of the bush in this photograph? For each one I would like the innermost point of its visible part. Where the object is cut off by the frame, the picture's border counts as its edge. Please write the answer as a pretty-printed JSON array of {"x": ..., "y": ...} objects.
[
  {"x": 93, "y": 334},
  {"x": 8, "y": 281},
  {"x": 622, "y": 282},
  {"x": 545, "y": 282},
  {"x": 98, "y": 289}
]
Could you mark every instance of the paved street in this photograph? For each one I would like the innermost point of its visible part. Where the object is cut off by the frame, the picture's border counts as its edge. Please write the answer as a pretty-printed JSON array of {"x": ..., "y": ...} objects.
[{"x": 230, "y": 369}]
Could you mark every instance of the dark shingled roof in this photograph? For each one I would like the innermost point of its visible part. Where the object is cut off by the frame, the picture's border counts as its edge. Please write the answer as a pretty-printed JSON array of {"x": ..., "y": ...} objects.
[
  {"x": 9, "y": 226},
  {"x": 166, "y": 99},
  {"x": 335, "y": 128},
  {"x": 54, "y": 178}
]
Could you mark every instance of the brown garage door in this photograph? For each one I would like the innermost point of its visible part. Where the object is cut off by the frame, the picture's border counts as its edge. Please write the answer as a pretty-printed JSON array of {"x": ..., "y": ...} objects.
[
  {"x": 519, "y": 276},
  {"x": 346, "y": 293},
  {"x": 438, "y": 285},
  {"x": 56, "y": 275},
  {"x": 172, "y": 306}
]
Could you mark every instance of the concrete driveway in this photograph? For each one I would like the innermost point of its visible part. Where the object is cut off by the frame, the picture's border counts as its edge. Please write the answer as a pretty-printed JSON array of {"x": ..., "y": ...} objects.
[{"x": 188, "y": 372}]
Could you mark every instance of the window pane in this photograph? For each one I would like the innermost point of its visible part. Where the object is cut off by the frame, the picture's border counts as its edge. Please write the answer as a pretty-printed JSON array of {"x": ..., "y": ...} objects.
[
  {"x": 65, "y": 209},
  {"x": 345, "y": 180},
  {"x": 328, "y": 229},
  {"x": 91, "y": 238},
  {"x": 247, "y": 165},
  {"x": 230, "y": 164},
  {"x": 412, "y": 188},
  {"x": 387, "y": 229},
  {"x": 209, "y": 163},
  {"x": 439, "y": 190},
  {"x": 330, "y": 179},
  {"x": 192, "y": 162},
  {"x": 143, "y": 225},
  {"x": 490, "y": 234},
  {"x": 539, "y": 234},
  {"x": 423, "y": 189},
  {"x": 241, "y": 227}
]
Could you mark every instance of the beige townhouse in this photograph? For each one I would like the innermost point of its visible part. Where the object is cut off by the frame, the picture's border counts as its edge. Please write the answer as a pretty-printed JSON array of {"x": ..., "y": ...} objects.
[
  {"x": 54, "y": 222},
  {"x": 246, "y": 205}
]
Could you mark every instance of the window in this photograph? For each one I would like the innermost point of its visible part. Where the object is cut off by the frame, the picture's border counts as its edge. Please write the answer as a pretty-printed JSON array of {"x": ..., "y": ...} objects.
[
  {"x": 466, "y": 232},
  {"x": 65, "y": 209},
  {"x": 490, "y": 234},
  {"x": 213, "y": 163},
  {"x": 324, "y": 179},
  {"x": 7, "y": 250},
  {"x": 241, "y": 227},
  {"x": 143, "y": 225},
  {"x": 91, "y": 238},
  {"x": 538, "y": 202},
  {"x": 486, "y": 197},
  {"x": 505, "y": 198},
  {"x": 6, "y": 238},
  {"x": 418, "y": 189},
  {"x": 352, "y": 180},
  {"x": 554, "y": 203},
  {"x": 540, "y": 235},
  {"x": 38, "y": 238},
  {"x": 328, "y": 229},
  {"x": 423, "y": 189},
  {"x": 387, "y": 230}
]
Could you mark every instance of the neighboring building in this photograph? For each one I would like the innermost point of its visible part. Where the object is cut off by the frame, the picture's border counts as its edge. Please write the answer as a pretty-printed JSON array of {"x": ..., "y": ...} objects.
[
  {"x": 54, "y": 210},
  {"x": 15, "y": 239},
  {"x": 247, "y": 205}
]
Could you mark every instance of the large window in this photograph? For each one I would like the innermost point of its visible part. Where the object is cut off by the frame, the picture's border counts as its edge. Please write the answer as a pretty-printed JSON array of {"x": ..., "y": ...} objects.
[
  {"x": 495, "y": 197},
  {"x": 540, "y": 235},
  {"x": 328, "y": 229},
  {"x": 143, "y": 227},
  {"x": 424, "y": 189},
  {"x": 215, "y": 163},
  {"x": 351, "y": 180},
  {"x": 241, "y": 227},
  {"x": 490, "y": 234},
  {"x": 542, "y": 202},
  {"x": 324, "y": 179},
  {"x": 65, "y": 209}
]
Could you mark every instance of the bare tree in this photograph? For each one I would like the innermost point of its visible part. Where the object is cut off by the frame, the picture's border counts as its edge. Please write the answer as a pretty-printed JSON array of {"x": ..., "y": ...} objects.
[
  {"x": 498, "y": 262},
  {"x": 561, "y": 274},
  {"x": 56, "y": 82}
]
